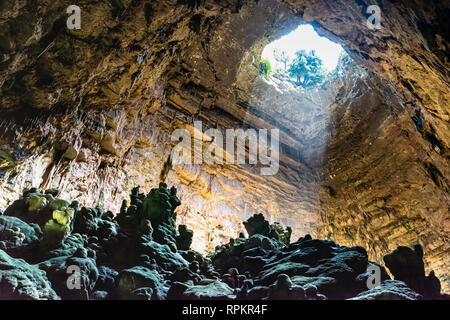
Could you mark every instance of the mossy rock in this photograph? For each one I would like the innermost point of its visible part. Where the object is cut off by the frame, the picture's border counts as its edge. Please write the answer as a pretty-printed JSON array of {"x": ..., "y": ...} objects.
[
  {"x": 54, "y": 232},
  {"x": 59, "y": 204},
  {"x": 146, "y": 227},
  {"x": 36, "y": 202},
  {"x": 283, "y": 234},
  {"x": 63, "y": 217},
  {"x": 157, "y": 206}
]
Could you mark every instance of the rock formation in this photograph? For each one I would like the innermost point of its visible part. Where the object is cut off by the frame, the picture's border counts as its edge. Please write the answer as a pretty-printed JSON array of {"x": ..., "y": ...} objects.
[
  {"x": 139, "y": 255},
  {"x": 90, "y": 112}
]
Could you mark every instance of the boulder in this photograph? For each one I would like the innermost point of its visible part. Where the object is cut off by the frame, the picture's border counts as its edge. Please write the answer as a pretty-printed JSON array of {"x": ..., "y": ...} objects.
[
  {"x": 73, "y": 278},
  {"x": 257, "y": 224},
  {"x": 406, "y": 264},
  {"x": 388, "y": 290},
  {"x": 141, "y": 277},
  {"x": 15, "y": 233},
  {"x": 209, "y": 290},
  {"x": 22, "y": 281},
  {"x": 184, "y": 237}
]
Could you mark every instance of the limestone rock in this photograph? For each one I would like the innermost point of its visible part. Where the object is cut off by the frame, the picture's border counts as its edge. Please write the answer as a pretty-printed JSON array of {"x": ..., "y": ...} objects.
[
  {"x": 79, "y": 265},
  {"x": 209, "y": 291},
  {"x": 354, "y": 168},
  {"x": 22, "y": 281},
  {"x": 388, "y": 290},
  {"x": 83, "y": 270},
  {"x": 406, "y": 265},
  {"x": 138, "y": 278},
  {"x": 184, "y": 239},
  {"x": 14, "y": 233}
]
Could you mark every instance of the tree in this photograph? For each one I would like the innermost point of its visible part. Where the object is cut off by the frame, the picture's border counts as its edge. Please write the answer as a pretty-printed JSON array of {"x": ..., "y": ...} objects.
[
  {"x": 282, "y": 57},
  {"x": 306, "y": 68}
]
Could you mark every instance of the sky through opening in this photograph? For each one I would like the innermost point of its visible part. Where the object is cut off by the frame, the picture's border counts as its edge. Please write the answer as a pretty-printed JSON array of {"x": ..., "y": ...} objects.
[{"x": 304, "y": 37}]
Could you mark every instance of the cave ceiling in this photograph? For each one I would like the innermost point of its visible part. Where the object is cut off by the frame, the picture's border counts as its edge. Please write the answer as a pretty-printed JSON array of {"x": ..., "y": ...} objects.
[{"x": 90, "y": 112}]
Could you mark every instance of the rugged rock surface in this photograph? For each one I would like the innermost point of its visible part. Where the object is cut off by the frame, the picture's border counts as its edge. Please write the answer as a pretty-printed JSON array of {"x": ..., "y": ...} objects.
[
  {"x": 389, "y": 290},
  {"x": 86, "y": 262},
  {"x": 22, "y": 281},
  {"x": 407, "y": 265},
  {"x": 90, "y": 112}
]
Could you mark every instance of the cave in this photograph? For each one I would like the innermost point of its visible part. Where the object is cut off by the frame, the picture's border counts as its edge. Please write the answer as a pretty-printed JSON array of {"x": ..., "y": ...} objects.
[{"x": 149, "y": 147}]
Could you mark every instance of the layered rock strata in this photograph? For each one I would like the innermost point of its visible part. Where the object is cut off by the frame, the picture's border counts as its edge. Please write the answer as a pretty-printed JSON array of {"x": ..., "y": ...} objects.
[{"x": 91, "y": 111}]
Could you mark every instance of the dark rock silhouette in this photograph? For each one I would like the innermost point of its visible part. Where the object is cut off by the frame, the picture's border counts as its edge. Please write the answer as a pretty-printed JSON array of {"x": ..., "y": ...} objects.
[
  {"x": 91, "y": 254},
  {"x": 406, "y": 265},
  {"x": 257, "y": 224},
  {"x": 184, "y": 239}
]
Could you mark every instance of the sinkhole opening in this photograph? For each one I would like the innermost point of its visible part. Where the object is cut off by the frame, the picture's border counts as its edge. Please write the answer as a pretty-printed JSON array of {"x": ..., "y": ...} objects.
[
  {"x": 294, "y": 96},
  {"x": 302, "y": 57}
]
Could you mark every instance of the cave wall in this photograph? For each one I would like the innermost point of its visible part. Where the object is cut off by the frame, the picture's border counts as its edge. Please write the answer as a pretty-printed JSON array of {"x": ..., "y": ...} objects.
[{"x": 90, "y": 112}]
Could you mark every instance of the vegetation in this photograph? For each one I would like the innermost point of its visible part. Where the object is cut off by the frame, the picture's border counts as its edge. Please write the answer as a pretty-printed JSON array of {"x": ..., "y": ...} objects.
[
  {"x": 306, "y": 68},
  {"x": 281, "y": 56},
  {"x": 265, "y": 67}
]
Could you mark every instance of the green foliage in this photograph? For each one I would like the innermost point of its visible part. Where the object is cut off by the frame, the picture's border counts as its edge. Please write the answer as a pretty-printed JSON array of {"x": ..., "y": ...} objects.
[
  {"x": 306, "y": 69},
  {"x": 265, "y": 67}
]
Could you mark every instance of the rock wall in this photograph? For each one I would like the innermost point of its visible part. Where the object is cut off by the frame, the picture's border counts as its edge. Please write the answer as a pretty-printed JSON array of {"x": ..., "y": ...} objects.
[{"x": 91, "y": 111}]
